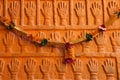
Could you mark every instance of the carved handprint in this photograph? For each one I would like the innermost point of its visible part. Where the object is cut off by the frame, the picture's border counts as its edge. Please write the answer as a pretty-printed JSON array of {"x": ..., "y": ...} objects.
[
  {"x": 47, "y": 12},
  {"x": 14, "y": 11},
  {"x": 85, "y": 44},
  {"x": 30, "y": 68},
  {"x": 46, "y": 65},
  {"x": 1, "y": 67},
  {"x": 40, "y": 35},
  {"x": 112, "y": 8},
  {"x": 115, "y": 40},
  {"x": 77, "y": 66},
  {"x": 96, "y": 11},
  {"x": 30, "y": 11},
  {"x": 63, "y": 12},
  {"x": 108, "y": 67},
  {"x": 80, "y": 11},
  {"x": 93, "y": 68},
  {"x": 55, "y": 37},
  {"x": 60, "y": 66},
  {"x": 69, "y": 36},
  {"x": 100, "y": 41},
  {"x": 13, "y": 67},
  {"x": 8, "y": 40}
]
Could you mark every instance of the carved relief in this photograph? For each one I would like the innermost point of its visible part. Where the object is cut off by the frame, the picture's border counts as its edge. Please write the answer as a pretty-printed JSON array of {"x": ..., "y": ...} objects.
[
  {"x": 1, "y": 68},
  {"x": 63, "y": 12},
  {"x": 8, "y": 40},
  {"x": 61, "y": 67},
  {"x": 85, "y": 45},
  {"x": 47, "y": 12},
  {"x": 93, "y": 68},
  {"x": 39, "y": 36},
  {"x": 30, "y": 68},
  {"x": 108, "y": 67},
  {"x": 45, "y": 67},
  {"x": 23, "y": 43},
  {"x": 30, "y": 12},
  {"x": 77, "y": 68},
  {"x": 112, "y": 7},
  {"x": 55, "y": 37},
  {"x": 69, "y": 36},
  {"x": 115, "y": 40},
  {"x": 96, "y": 9},
  {"x": 14, "y": 11},
  {"x": 100, "y": 41},
  {"x": 80, "y": 11},
  {"x": 13, "y": 67}
]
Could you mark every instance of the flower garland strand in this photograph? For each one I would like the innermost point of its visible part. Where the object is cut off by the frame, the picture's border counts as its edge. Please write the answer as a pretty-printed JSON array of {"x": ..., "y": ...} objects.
[{"x": 69, "y": 50}]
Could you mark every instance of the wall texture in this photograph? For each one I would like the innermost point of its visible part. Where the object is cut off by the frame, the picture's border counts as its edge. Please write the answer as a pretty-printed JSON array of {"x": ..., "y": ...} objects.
[{"x": 60, "y": 21}]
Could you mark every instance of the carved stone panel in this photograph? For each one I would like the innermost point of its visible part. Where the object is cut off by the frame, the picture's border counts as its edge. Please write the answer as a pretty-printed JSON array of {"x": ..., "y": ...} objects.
[{"x": 60, "y": 21}]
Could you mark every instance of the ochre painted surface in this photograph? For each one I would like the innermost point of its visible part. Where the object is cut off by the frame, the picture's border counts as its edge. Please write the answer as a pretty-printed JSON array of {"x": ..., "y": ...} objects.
[{"x": 60, "y": 21}]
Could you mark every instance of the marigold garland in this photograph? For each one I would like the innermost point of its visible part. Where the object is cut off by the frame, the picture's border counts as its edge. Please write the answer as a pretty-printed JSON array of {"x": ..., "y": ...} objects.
[{"x": 69, "y": 50}]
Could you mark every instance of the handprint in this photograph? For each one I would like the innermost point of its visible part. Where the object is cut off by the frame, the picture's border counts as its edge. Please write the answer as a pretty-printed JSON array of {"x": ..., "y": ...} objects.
[
  {"x": 77, "y": 66},
  {"x": 108, "y": 67},
  {"x": 86, "y": 45},
  {"x": 30, "y": 12},
  {"x": 30, "y": 68},
  {"x": 55, "y": 37},
  {"x": 61, "y": 68},
  {"x": 46, "y": 67},
  {"x": 96, "y": 11},
  {"x": 80, "y": 11},
  {"x": 112, "y": 8},
  {"x": 62, "y": 10},
  {"x": 69, "y": 36},
  {"x": 14, "y": 11},
  {"x": 8, "y": 40},
  {"x": 115, "y": 40},
  {"x": 93, "y": 68},
  {"x": 100, "y": 41},
  {"x": 23, "y": 43},
  {"x": 47, "y": 12},
  {"x": 13, "y": 67},
  {"x": 40, "y": 35}
]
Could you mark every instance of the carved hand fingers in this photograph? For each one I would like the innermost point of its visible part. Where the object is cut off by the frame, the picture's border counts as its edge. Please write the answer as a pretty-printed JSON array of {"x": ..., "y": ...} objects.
[
  {"x": 30, "y": 66},
  {"x": 62, "y": 9},
  {"x": 46, "y": 65},
  {"x": 14, "y": 9},
  {"x": 93, "y": 66},
  {"x": 115, "y": 38},
  {"x": 30, "y": 9},
  {"x": 112, "y": 7},
  {"x": 61, "y": 66},
  {"x": 8, "y": 39},
  {"x": 96, "y": 9},
  {"x": 13, "y": 66},
  {"x": 80, "y": 9},
  {"x": 77, "y": 66},
  {"x": 108, "y": 66}
]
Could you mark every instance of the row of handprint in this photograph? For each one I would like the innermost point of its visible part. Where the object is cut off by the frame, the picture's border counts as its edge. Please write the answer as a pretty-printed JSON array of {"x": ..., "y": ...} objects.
[
  {"x": 106, "y": 68},
  {"x": 57, "y": 13},
  {"x": 99, "y": 42}
]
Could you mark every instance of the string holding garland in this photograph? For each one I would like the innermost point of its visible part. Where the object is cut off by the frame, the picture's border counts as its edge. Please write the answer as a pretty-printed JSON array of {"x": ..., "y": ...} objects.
[{"x": 69, "y": 50}]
